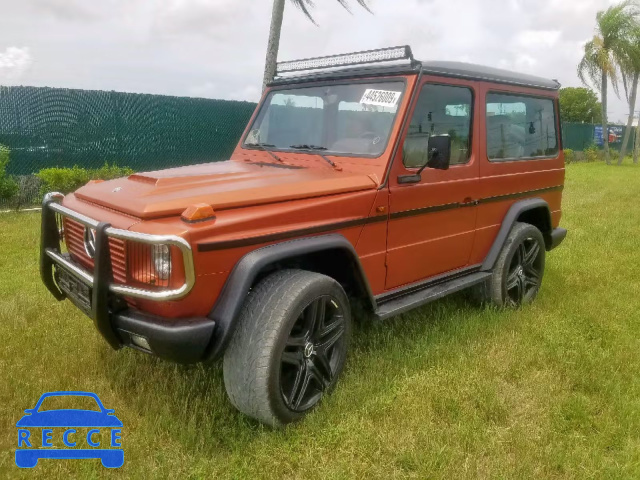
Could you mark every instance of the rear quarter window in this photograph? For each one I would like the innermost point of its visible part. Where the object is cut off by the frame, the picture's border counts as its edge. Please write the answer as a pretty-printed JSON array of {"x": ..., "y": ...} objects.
[{"x": 520, "y": 127}]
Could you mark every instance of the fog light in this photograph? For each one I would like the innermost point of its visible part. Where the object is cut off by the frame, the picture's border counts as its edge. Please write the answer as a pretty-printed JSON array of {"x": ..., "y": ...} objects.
[
  {"x": 162, "y": 260},
  {"x": 141, "y": 342}
]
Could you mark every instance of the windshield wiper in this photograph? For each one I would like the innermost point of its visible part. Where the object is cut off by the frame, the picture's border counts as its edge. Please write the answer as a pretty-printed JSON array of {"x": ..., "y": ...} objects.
[
  {"x": 264, "y": 147},
  {"x": 315, "y": 148},
  {"x": 304, "y": 146}
]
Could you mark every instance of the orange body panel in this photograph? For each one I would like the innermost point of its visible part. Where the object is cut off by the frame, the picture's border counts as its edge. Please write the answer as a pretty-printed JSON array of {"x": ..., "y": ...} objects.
[{"x": 402, "y": 233}]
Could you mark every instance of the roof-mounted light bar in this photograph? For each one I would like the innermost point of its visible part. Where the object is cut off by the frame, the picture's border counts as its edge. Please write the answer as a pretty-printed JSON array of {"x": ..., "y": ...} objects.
[{"x": 357, "y": 58}]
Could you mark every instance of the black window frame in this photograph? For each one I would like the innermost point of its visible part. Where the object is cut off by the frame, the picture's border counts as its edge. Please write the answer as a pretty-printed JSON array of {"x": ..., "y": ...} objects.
[
  {"x": 556, "y": 114},
  {"x": 471, "y": 119}
]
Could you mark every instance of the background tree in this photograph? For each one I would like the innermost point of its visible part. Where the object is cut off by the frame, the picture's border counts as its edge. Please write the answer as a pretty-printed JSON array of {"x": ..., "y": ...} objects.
[
  {"x": 579, "y": 105},
  {"x": 276, "y": 27},
  {"x": 605, "y": 52}
]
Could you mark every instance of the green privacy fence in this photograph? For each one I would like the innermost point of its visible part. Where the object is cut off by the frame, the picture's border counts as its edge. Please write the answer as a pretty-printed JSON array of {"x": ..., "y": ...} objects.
[
  {"x": 579, "y": 136},
  {"x": 47, "y": 127}
]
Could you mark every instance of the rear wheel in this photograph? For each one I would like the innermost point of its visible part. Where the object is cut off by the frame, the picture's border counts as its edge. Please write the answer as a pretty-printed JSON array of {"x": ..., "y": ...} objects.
[
  {"x": 290, "y": 346},
  {"x": 517, "y": 274}
]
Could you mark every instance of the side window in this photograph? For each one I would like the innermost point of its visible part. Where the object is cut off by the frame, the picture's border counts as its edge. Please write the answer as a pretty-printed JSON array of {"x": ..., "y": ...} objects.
[
  {"x": 520, "y": 127},
  {"x": 441, "y": 110}
]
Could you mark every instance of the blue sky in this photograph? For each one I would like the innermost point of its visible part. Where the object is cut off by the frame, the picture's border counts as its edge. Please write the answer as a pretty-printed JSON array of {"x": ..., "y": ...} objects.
[{"x": 216, "y": 48}]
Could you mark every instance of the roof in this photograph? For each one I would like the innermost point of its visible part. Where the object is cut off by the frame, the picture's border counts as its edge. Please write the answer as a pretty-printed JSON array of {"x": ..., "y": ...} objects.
[
  {"x": 442, "y": 68},
  {"x": 490, "y": 74}
]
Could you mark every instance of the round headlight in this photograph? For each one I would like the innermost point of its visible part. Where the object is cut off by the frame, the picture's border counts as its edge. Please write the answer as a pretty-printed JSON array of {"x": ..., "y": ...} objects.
[{"x": 161, "y": 255}]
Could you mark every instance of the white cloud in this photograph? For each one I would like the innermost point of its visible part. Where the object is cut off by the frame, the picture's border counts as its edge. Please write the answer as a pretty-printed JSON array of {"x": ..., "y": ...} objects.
[
  {"x": 14, "y": 61},
  {"x": 525, "y": 62},
  {"x": 250, "y": 92},
  {"x": 204, "y": 90},
  {"x": 534, "y": 38}
]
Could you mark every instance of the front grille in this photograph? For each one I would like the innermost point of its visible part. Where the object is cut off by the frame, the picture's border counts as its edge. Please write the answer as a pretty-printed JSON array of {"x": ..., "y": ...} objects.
[
  {"x": 151, "y": 267},
  {"x": 74, "y": 240}
]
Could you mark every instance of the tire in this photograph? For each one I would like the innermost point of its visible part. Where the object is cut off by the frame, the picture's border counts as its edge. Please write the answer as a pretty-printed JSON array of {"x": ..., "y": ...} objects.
[
  {"x": 517, "y": 274},
  {"x": 289, "y": 347}
]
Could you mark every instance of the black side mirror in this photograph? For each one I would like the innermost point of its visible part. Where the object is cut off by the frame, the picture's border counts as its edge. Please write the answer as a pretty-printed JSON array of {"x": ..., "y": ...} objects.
[
  {"x": 439, "y": 152},
  {"x": 438, "y": 157}
]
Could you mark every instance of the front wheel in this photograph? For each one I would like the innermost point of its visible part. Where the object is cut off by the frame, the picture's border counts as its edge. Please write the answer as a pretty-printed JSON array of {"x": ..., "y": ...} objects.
[{"x": 290, "y": 346}]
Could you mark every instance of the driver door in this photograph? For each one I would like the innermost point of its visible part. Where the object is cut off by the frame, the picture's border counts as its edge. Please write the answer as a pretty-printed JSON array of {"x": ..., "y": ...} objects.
[{"x": 432, "y": 222}]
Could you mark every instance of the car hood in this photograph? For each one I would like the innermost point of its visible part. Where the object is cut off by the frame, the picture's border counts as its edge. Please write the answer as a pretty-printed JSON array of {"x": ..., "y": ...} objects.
[
  {"x": 69, "y": 418},
  {"x": 222, "y": 185}
]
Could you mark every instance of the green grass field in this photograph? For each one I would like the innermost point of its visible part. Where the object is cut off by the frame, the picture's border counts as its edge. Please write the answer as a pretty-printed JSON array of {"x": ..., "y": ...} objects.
[{"x": 448, "y": 391}]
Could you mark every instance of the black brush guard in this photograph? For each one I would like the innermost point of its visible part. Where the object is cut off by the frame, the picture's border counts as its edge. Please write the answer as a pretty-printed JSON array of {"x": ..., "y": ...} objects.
[{"x": 181, "y": 340}]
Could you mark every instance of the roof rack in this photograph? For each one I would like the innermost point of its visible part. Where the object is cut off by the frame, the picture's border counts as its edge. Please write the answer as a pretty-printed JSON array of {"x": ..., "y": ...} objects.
[{"x": 391, "y": 54}]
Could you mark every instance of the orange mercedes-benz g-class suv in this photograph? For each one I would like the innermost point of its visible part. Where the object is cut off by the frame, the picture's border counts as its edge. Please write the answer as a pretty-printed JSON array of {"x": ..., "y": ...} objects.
[{"x": 369, "y": 177}]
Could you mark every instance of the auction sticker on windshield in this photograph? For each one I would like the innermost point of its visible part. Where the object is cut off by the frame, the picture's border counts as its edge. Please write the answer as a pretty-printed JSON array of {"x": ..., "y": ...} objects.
[{"x": 381, "y": 98}]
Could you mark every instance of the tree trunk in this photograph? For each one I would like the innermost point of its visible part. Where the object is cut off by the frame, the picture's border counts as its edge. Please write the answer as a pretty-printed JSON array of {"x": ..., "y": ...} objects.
[
  {"x": 605, "y": 128},
  {"x": 632, "y": 107},
  {"x": 274, "y": 42},
  {"x": 636, "y": 150}
]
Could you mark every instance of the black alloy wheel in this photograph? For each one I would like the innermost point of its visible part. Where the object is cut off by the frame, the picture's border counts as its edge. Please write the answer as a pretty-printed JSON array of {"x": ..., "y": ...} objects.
[
  {"x": 313, "y": 354},
  {"x": 517, "y": 274},
  {"x": 525, "y": 271},
  {"x": 289, "y": 347}
]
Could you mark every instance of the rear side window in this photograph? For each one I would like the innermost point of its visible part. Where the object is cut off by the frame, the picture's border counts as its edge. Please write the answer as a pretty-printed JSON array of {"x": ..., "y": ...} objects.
[{"x": 520, "y": 127}]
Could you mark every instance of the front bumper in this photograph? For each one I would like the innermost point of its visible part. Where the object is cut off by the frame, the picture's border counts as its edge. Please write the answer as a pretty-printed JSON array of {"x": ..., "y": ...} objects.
[{"x": 180, "y": 340}]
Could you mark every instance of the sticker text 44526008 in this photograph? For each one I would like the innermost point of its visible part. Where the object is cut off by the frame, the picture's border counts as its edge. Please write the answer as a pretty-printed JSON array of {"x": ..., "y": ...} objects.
[{"x": 381, "y": 98}]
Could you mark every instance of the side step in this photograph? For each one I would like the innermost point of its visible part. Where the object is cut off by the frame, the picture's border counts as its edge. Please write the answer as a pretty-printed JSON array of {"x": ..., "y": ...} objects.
[{"x": 429, "y": 294}]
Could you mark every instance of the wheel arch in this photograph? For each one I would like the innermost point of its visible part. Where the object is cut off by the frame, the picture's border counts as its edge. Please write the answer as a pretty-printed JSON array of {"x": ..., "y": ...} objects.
[
  {"x": 309, "y": 253},
  {"x": 534, "y": 211}
]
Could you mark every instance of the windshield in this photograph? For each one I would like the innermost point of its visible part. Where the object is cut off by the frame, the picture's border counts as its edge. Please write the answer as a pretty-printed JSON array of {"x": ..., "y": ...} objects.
[{"x": 353, "y": 119}]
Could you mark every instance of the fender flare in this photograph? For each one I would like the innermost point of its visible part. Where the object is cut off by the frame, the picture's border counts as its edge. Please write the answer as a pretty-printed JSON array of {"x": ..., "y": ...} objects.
[
  {"x": 227, "y": 307},
  {"x": 507, "y": 224}
]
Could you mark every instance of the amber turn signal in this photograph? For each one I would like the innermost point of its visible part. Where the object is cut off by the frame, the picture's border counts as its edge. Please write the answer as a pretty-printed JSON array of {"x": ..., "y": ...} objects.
[{"x": 198, "y": 212}]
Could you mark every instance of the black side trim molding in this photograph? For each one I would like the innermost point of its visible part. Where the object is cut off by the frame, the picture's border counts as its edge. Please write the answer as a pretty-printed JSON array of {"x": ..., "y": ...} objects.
[
  {"x": 329, "y": 227},
  {"x": 227, "y": 307},
  {"x": 424, "y": 210},
  {"x": 274, "y": 237},
  {"x": 508, "y": 196}
]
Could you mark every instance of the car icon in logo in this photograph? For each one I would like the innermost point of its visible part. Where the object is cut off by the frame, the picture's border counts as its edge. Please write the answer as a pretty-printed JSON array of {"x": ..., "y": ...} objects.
[{"x": 97, "y": 427}]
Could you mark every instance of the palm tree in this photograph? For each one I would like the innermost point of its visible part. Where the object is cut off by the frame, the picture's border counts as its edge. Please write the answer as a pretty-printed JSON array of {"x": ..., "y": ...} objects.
[
  {"x": 276, "y": 26},
  {"x": 636, "y": 150},
  {"x": 630, "y": 72},
  {"x": 605, "y": 52}
]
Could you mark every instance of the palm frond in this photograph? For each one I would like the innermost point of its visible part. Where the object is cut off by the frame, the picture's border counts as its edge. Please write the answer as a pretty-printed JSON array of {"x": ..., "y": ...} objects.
[
  {"x": 307, "y": 5},
  {"x": 615, "y": 48},
  {"x": 590, "y": 68}
]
